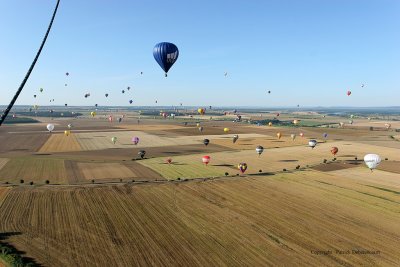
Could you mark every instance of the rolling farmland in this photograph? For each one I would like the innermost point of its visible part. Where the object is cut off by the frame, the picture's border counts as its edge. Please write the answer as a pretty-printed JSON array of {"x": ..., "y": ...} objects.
[{"x": 266, "y": 220}]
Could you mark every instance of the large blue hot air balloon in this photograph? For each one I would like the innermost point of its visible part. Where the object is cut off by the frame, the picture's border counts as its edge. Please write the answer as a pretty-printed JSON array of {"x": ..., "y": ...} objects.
[{"x": 166, "y": 55}]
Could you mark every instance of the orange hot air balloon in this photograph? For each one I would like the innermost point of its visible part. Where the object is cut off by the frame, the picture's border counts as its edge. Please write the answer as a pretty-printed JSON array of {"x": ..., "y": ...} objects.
[
  {"x": 279, "y": 135},
  {"x": 348, "y": 93},
  {"x": 206, "y": 159},
  {"x": 301, "y": 134},
  {"x": 334, "y": 150}
]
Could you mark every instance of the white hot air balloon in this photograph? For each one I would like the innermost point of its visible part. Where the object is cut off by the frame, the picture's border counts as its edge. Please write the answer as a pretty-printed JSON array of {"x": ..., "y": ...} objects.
[
  {"x": 312, "y": 143},
  {"x": 259, "y": 150},
  {"x": 50, "y": 127},
  {"x": 372, "y": 161}
]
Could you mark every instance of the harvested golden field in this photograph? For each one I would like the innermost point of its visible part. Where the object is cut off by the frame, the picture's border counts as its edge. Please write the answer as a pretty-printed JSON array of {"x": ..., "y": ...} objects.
[
  {"x": 390, "y": 166},
  {"x": 36, "y": 170},
  {"x": 245, "y": 142},
  {"x": 102, "y": 140},
  {"x": 262, "y": 221},
  {"x": 3, "y": 162},
  {"x": 60, "y": 143},
  {"x": 272, "y": 160},
  {"x": 105, "y": 170},
  {"x": 149, "y": 127}
]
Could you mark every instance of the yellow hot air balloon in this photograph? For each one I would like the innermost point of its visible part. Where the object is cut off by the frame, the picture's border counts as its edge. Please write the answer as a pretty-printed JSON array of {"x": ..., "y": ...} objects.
[
  {"x": 269, "y": 123},
  {"x": 93, "y": 113},
  {"x": 67, "y": 132},
  {"x": 198, "y": 124},
  {"x": 226, "y": 130},
  {"x": 279, "y": 135},
  {"x": 295, "y": 122},
  {"x": 201, "y": 111}
]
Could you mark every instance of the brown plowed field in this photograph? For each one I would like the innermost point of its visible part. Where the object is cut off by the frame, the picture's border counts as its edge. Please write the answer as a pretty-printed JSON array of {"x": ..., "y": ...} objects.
[
  {"x": 105, "y": 170},
  {"x": 390, "y": 166},
  {"x": 259, "y": 221},
  {"x": 21, "y": 144}
]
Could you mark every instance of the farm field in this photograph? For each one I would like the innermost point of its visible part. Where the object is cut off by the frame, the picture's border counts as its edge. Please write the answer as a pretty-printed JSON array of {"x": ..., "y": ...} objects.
[
  {"x": 272, "y": 160},
  {"x": 268, "y": 220},
  {"x": 106, "y": 206}
]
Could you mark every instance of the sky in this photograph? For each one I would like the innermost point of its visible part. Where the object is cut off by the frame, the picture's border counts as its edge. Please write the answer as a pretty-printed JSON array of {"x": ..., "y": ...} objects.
[{"x": 307, "y": 53}]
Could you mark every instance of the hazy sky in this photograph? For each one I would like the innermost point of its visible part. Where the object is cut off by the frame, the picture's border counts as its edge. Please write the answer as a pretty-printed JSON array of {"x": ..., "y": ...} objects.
[{"x": 307, "y": 52}]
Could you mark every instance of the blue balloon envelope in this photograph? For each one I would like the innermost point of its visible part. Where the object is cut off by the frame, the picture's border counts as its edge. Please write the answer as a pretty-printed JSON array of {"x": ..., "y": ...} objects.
[{"x": 166, "y": 55}]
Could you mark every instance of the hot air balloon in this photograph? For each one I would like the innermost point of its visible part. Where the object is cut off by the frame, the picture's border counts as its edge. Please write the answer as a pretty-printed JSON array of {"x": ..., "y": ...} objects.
[
  {"x": 269, "y": 92},
  {"x": 351, "y": 122},
  {"x": 334, "y": 150},
  {"x": 269, "y": 123},
  {"x": 141, "y": 73},
  {"x": 93, "y": 113},
  {"x": 325, "y": 135},
  {"x": 66, "y": 104},
  {"x": 96, "y": 105},
  {"x": 295, "y": 122},
  {"x": 372, "y": 161},
  {"x": 293, "y": 136},
  {"x": 142, "y": 153},
  {"x": 106, "y": 95},
  {"x": 50, "y": 127},
  {"x": 41, "y": 90},
  {"x": 201, "y": 111},
  {"x": 67, "y": 73},
  {"x": 110, "y": 118},
  {"x": 235, "y": 138},
  {"x": 201, "y": 128},
  {"x": 369, "y": 118},
  {"x": 279, "y": 135},
  {"x": 114, "y": 139},
  {"x": 226, "y": 130},
  {"x": 348, "y": 93},
  {"x": 341, "y": 124},
  {"x": 168, "y": 160},
  {"x": 388, "y": 125},
  {"x": 69, "y": 126},
  {"x": 135, "y": 140},
  {"x": 166, "y": 55},
  {"x": 277, "y": 114},
  {"x": 312, "y": 143},
  {"x": 119, "y": 119},
  {"x": 206, "y": 159},
  {"x": 206, "y": 142},
  {"x": 242, "y": 167},
  {"x": 130, "y": 101},
  {"x": 226, "y": 74},
  {"x": 34, "y": 96},
  {"x": 123, "y": 91},
  {"x": 351, "y": 116},
  {"x": 128, "y": 88},
  {"x": 259, "y": 150},
  {"x": 67, "y": 132},
  {"x": 198, "y": 124}
]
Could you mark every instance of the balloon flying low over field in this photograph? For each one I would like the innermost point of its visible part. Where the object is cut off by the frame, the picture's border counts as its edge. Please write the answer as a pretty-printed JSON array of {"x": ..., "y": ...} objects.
[{"x": 372, "y": 161}]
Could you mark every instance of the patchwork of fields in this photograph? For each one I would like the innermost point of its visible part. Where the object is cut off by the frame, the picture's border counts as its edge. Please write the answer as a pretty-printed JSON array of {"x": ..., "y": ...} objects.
[{"x": 104, "y": 206}]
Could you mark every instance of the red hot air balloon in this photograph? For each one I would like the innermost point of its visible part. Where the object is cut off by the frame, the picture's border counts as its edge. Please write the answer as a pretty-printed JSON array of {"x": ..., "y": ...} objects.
[
  {"x": 168, "y": 160},
  {"x": 348, "y": 93},
  {"x": 206, "y": 159},
  {"x": 334, "y": 150}
]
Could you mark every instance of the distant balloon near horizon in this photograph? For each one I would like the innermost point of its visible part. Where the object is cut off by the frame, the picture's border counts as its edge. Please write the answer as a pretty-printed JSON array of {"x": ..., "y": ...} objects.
[
  {"x": 348, "y": 93},
  {"x": 166, "y": 54}
]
